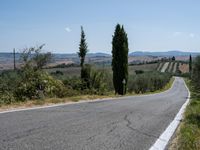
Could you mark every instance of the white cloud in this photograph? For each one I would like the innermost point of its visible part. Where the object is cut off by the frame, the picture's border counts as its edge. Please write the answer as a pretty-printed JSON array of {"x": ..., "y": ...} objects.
[
  {"x": 192, "y": 35},
  {"x": 67, "y": 29},
  {"x": 184, "y": 34},
  {"x": 177, "y": 33}
]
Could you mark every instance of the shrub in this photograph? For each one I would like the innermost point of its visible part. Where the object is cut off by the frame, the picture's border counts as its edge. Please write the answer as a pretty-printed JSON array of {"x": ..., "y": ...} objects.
[
  {"x": 74, "y": 83},
  {"x": 94, "y": 81},
  {"x": 196, "y": 73},
  {"x": 139, "y": 71},
  {"x": 57, "y": 72},
  {"x": 36, "y": 84},
  {"x": 6, "y": 98},
  {"x": 148, "y": 81},
  {"x": 86, "y": 76},
  {"x": 9, "y": 81}
]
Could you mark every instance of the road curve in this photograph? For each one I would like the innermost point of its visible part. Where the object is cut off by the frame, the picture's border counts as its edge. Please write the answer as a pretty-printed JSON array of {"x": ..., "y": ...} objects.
[{"x": 127, "y": 123}]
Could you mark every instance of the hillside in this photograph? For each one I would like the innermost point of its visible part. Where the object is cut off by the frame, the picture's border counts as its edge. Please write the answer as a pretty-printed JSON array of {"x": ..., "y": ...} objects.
[
  {"x": 6, "y": 59},
  {"x": 173, "y": 67},
  {"x": 164, "y": 54}
]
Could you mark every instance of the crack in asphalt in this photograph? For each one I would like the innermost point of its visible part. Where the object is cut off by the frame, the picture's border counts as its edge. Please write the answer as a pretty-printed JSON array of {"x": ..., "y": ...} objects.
[
  {"x": 128, "y": 125},
  {"x": 112, "y": 129},
  {"x": 91, "y": 138}
]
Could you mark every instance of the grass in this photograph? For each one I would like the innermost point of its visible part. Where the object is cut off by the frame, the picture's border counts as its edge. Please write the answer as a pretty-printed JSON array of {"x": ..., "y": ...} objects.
[
  {"x": 50, "y": 101},
  {"x": 188, "y": 134}
]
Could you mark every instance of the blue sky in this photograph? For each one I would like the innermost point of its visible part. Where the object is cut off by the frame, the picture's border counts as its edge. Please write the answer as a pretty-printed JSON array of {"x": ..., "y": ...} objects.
[{"x": 152, "y": 25}]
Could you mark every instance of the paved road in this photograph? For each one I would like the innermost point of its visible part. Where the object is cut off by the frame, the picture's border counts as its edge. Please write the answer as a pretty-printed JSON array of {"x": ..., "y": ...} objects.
[{"x": 122, "y": 124}]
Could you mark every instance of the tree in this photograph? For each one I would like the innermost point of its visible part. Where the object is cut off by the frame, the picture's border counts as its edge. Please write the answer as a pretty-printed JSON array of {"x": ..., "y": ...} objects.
[
  {"x": 190, "y": 65},
  {"x": 14, "y": 62},
  {"x": 34, "y": 58},
  {"x": 86, "y": 76},
  {"x": 41, "y": 59},
  {"x": 196, "y": 73},
  {"x": 173, "y": 58},
  {"x": 83, "y": 49},
  {"x": 120, "y": 60}
]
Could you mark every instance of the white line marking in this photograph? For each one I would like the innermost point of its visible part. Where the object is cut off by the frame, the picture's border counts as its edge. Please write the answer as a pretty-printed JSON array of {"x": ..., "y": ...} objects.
[{"x": 164, "y": 138}]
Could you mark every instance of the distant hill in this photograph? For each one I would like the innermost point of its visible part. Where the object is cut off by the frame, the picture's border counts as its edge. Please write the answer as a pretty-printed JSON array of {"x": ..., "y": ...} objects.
[
  {"x": 6, "y": 59},
  {"x": 136, "y": 53},
  {"x": 163, "y": 54},
  {"x": 75, "y": 55},
  {"x": 9, "y": 55}
]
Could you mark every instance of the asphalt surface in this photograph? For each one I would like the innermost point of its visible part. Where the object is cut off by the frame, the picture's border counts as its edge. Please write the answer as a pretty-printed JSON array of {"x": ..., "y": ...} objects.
[{"x": 122, "y": 124}]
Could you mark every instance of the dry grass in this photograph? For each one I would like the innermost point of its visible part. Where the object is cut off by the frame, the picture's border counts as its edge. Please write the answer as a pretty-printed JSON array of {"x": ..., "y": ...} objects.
[
  {"x": 184, "y": 68},
  {"x": 51, "y": 101}
]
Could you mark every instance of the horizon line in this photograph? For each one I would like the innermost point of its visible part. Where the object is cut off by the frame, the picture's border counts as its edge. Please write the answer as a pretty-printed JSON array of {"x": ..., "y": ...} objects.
[{"x": 110, "y": 53}]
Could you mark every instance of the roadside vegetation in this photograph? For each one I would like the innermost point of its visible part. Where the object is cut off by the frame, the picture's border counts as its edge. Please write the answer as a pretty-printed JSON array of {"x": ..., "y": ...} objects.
[
  {"x": 188, "y": 134},
  {"x": 34, "y": 84},
  {"x": 148, "y": 82}
]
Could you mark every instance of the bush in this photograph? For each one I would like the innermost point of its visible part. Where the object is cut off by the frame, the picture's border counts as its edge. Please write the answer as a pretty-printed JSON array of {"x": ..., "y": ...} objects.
[
  {"x": 36, "y": 84},
  {"x": 94, "y": 81},
  {"x": 57, "y": 72},
  {"x": 148, "y": 82},
  {"x": 196, "y": 73},
  {"x": 86, "y": 76},
  {"x": 74, "y": 83},
  {"x": 9, "y": 81},
  {"x": 31, "y": 82},
  {"x": 139, "y": 71},
  {"x": 6, "y": 98}
]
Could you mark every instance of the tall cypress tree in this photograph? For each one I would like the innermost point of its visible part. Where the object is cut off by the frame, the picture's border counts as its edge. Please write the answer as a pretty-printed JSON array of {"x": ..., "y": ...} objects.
[
  {"x": 83, "y": 49},
  {"x": 120, "y": 60},
  {"x": 14, "y": 61},
  {"x": 190, "y": 65}
]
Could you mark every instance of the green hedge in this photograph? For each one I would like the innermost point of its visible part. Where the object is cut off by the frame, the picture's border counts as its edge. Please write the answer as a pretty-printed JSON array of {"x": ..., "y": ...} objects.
[{"x": 148, "y": 82}]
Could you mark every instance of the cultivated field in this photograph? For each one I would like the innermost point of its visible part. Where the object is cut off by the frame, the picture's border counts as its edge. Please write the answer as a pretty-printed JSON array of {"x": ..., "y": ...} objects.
[
  {"x": 173, "y": 67},
  {"x": 75, "y": 71}
]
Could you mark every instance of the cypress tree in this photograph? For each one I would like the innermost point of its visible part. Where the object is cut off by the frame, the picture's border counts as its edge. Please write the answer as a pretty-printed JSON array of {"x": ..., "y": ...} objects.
[
  {"x": 190, "y": 65},
  {"x": 196, "y": 73},
  {"x": 14, "y": 62},
  {"x": 83, "y": 49},
  {"x": 120, "y": 60}
]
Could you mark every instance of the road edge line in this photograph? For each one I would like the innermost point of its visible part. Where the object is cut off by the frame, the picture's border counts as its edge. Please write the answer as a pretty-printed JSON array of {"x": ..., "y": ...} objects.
[{"x": 165, "y": 137}]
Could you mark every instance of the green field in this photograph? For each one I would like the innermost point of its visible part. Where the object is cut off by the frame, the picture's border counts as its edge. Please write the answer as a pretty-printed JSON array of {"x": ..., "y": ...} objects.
[{"x": 75, "y": 71}]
